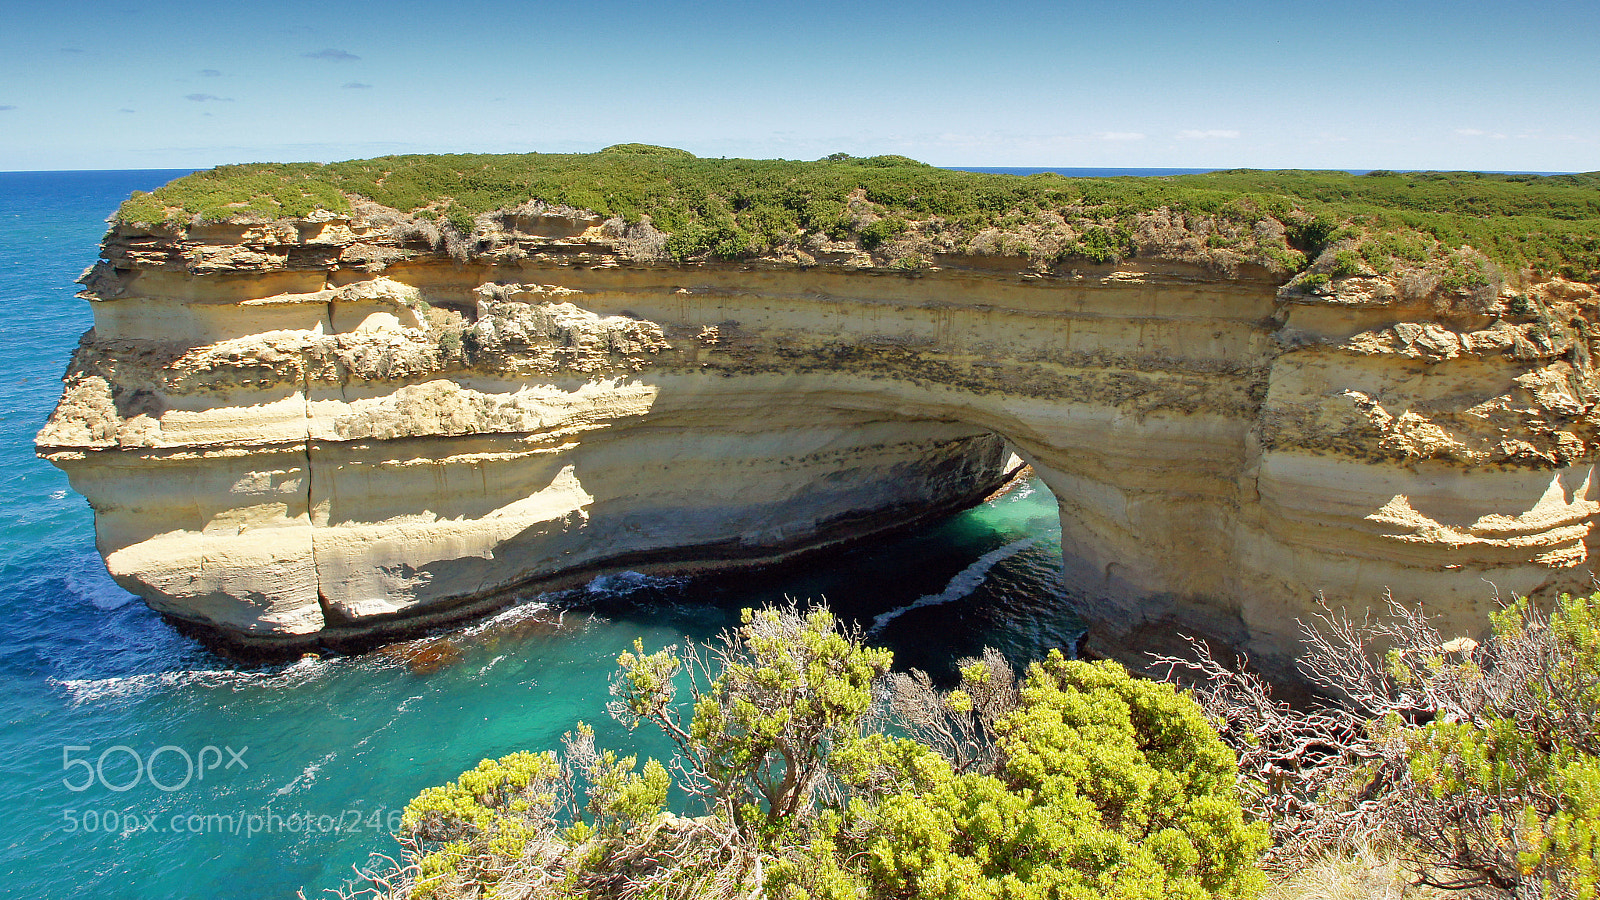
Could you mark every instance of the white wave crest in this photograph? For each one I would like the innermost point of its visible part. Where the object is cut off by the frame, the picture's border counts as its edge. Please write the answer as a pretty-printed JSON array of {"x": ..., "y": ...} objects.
[
  {"x": 307, "y": 776},
  {"x": 507, "y": 616},
  {"x": 963, "y": 583},
  {"x": 89, "y": 690},
  {"x": 620, "y": 583}
]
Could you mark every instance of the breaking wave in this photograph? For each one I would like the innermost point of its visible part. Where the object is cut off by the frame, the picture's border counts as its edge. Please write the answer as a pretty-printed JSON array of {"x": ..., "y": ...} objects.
[
  {"x": 91, "y": 690},
  {"x": 623, "y": 583},
  {"x": 965, "y": 582}
]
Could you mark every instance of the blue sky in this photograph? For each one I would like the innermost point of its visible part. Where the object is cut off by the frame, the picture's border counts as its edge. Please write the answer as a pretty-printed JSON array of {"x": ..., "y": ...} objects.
[{"x": 1400, "y": 84}]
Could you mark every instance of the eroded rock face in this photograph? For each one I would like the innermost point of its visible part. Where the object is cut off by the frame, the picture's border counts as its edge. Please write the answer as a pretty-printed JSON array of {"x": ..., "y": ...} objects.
[{"x": 298, "y": 430}]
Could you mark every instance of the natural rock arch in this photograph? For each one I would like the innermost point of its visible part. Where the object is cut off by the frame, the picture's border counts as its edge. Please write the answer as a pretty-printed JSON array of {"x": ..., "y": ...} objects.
[{"x": 292, "y": 435}]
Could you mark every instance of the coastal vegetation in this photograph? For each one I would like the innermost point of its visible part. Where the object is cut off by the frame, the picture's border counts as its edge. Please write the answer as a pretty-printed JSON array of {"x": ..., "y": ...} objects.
[
  {"x": 810, "y": 769},
  {"x": 1478, "y": 759},
  {"x": 1459, "y": 230}
]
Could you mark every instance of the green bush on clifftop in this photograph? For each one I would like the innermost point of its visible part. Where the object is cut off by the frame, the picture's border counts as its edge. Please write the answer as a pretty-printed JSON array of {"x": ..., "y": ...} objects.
[{"x": 734, "y": 208}]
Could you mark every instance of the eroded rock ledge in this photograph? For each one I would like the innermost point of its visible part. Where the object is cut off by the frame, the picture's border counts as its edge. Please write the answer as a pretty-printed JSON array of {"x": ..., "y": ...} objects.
[{"x": 311, "y": 428}]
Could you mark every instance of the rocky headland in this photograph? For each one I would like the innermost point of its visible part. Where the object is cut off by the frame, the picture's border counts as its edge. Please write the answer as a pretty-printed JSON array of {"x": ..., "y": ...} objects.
[{"x": 298, "y": 428}]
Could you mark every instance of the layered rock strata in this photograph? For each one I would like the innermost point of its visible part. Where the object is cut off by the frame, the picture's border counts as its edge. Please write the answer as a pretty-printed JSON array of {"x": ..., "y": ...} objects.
[{"x": 307, "y": 429}]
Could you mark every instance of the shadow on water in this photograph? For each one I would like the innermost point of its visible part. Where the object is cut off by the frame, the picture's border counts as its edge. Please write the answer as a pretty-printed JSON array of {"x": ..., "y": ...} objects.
[
  {"x": 985, "y": 577},
  {"x": 988, "y": 576}
]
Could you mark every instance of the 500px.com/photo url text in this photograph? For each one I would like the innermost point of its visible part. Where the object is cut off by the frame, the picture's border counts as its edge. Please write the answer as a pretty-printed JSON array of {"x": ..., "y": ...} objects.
[{"x": 249, "y": 824}]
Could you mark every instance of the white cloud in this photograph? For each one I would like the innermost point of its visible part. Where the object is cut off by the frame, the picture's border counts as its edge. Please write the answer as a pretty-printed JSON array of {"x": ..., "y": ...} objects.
[
  {"x": 1119, "y": 136},
  {"x": 332, "y": 55},
  {"x": 1195, "y": 134}
]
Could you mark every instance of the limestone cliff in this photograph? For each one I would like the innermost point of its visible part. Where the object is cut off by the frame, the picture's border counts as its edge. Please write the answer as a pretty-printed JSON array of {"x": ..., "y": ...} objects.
[{"x": 321, "y": 427}]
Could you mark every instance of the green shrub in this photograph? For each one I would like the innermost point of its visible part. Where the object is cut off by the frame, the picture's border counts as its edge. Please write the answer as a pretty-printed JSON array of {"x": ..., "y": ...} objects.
[
  {"x": 787, "y": 689},
  {"x": 1282, "y": 260},
  {"x": 1511, "y": 790},
  {"x": 1108, "y": 786},
  {"x": 717, "y": 240},
  {"x": 881, "y": 232},
  {"x": 1310, "y": 235},
  {"x": 1101, "y": 244},
  {"x": 1479, "y": 760},
  {"x": 1083, "y": 782},
  {"x": 262, "y": 191},
  {"x": 1346, "y": 263},
  {"x": 477, "y": 826},
  {"x": 648, "y": 150}
]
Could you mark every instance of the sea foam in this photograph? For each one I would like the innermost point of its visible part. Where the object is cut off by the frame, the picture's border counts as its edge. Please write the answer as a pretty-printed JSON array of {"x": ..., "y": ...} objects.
[
  {"x": 622, "y": 583},
  {"x": 965, "y": 582},
  {"x": 89, "y": 690}
]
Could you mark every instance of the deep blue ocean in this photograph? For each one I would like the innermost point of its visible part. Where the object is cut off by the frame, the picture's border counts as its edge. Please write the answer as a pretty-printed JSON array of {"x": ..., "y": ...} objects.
[{"x": 126, "y": 745}]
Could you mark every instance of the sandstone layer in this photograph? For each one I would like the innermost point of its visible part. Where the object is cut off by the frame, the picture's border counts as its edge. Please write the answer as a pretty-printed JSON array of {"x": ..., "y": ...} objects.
[{"x": 306, "y": 429}]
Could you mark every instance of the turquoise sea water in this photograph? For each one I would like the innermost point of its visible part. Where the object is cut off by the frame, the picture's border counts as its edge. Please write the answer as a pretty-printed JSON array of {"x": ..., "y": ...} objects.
[{"x": 311, "y": 758}]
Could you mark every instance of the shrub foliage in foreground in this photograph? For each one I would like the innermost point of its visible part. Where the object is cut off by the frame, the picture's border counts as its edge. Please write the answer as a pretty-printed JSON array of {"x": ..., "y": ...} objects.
[
  {"x": 1106, "y": 787},
  {"x": 1079, "y": 782},
  {"x": 1482, "y": 759}
]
